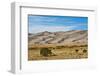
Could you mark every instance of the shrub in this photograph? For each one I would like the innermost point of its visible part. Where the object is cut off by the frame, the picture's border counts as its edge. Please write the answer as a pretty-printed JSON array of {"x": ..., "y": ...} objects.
[
  {"x": 76, "y": 50},
  {"x": 45, "y": 52},
  {"x": 84, "y": 51}
]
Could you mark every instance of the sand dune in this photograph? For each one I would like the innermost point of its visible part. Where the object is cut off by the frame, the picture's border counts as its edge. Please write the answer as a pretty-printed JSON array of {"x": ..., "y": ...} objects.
[{"x": 73, "y": 36}]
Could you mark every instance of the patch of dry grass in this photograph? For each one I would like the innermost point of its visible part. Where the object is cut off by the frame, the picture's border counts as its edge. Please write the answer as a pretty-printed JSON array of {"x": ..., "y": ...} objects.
[{"x": 61, "y": 52}]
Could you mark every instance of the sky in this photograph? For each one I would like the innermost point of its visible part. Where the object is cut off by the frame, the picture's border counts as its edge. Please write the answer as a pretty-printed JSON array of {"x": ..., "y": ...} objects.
[{"x": 41, "y": 23}]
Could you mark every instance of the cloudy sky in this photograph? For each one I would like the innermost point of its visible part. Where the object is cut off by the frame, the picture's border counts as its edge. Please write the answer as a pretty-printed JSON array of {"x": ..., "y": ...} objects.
[{"x": 40, "y": 23}]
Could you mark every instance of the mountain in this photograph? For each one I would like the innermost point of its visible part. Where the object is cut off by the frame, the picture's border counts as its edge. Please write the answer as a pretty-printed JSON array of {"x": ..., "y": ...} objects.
[{"x": 61, "y": 37}]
